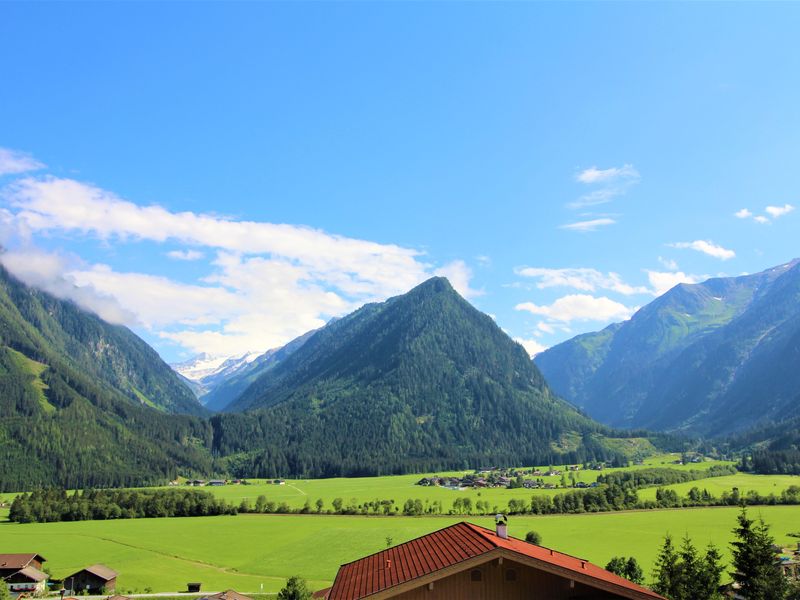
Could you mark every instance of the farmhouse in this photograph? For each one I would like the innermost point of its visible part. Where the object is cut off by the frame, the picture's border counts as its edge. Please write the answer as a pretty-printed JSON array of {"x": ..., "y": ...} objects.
[
  {"x": 97, "y": 579},
  {"x": 227, "y": 595},
  {"x": 23, "y": 572},
  {"x": 468, "y": 561}
]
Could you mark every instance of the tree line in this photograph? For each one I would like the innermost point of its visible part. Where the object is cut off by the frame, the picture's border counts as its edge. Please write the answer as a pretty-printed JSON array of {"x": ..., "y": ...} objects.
[{"x": 45, "y": 506}]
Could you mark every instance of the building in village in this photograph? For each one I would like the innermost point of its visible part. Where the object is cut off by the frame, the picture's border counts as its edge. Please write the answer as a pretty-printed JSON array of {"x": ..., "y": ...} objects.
[
  {"x": 97, "y": 579},
  {"x": 468, "y": 561},
  {"x": 23, "y": 573},
  {"x": 226, "y": 595}
]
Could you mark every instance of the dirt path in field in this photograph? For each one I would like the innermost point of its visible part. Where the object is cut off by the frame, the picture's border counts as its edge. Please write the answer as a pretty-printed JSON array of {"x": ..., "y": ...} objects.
[{"x": 298, "y": 489}]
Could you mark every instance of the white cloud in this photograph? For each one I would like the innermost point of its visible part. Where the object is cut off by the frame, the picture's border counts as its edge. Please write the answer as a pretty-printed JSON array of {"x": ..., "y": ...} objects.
[
  {"x": 545, "y": 327},
  {"x": 773, "y": 211},
  {"x": 532, "y": 347},
  {"x": 459, "y": 275},
  {"x": 185, "y": 254},
  {"x": 668, "y": 263},
  {"x": 267, "y": 283},
  {"x": 596, "y": 197},
  {"x": 706, "y": 247},
  {"x": 13, "y": 162},
  {"x": 778, "y": 211},
  {"x": 662, "y": 281},
  {"x": 579, "y": 307},
  {"x": 590, "y": 225},
  {"x": 595, "y": 175},
  {"x": 585, "y": 279},
  {"x": 50, "y": 273}
]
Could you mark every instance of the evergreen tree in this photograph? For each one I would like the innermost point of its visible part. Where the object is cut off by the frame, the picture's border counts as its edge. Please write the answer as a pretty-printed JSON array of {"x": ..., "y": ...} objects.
[
  {"x": 633, "y": 571},
  {"x": 666, "y": 574},
  {"x": 710, "y": 575},
  {"x": 754, "y": 562},
  {"x": 295, "y": 589},
  {"x": 627, "y": 568}
]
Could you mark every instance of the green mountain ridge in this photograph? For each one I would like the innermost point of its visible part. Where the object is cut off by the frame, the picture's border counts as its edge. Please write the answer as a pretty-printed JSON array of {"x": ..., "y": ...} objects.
[
  {"x": 84, "y": 402},
  {"x": 710, "y": 359},
  {"x": 421, "y": 381}
]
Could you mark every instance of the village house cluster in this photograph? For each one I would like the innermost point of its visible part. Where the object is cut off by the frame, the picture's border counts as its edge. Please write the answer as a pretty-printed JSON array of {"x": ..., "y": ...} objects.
[
  {"x": 496, "y": 477},
  {"x": 24, "y": 574}
]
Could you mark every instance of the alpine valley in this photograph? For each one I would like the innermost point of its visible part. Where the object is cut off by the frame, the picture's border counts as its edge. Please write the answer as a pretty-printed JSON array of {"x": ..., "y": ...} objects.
[{"x": 422, "y": 381}]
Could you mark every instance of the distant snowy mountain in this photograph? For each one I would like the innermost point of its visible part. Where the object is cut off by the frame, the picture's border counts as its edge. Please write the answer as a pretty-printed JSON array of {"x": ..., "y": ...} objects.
[
  {"x": 217, "y": 381},
  {"x": 205, "y": 372}
]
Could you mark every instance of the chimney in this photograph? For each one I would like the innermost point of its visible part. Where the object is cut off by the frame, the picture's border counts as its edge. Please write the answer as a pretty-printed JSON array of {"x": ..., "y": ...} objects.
[{"x": 501, "y": 524}]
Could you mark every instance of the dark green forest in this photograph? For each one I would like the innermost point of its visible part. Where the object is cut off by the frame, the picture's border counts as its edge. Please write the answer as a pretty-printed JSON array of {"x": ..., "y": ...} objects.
[{"x": 421, "y": 382}]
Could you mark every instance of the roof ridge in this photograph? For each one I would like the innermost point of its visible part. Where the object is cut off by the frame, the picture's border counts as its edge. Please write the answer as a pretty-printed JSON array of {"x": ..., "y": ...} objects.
[
  {"x": 406, "y": 542},
  {"x": 552, "y": 550}
]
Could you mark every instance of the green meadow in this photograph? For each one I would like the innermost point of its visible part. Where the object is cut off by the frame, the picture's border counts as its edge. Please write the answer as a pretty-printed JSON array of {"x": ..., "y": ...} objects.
[
  {"x": 258, "y": 552},
  {"x": 763, "y": 484},
  {"x": 295, "y": 492}
]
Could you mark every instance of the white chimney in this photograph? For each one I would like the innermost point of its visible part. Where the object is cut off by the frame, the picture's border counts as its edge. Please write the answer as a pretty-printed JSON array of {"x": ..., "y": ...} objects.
[{"x": 501, "y": 523}]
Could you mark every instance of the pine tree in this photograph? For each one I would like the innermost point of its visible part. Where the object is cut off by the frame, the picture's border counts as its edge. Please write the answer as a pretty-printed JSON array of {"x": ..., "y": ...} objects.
[
  {"x": 295, "y": 589},
  {"x": 666, "y": 573},
  {"x": 710, "y": 575},
  {"x": 633, "y": 571},
  {"x": 754, "y": 562}
]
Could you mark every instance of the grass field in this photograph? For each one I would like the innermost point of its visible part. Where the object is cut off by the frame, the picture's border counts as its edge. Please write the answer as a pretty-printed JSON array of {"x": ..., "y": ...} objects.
[
  {"x": 247, "y": 552},
  {"x": 763, "y": 484},
  {"x": 400, "y": 488}
]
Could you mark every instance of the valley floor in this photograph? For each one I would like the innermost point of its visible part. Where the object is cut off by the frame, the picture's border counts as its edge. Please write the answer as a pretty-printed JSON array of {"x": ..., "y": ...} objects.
[{"x": 255, "y": 553}]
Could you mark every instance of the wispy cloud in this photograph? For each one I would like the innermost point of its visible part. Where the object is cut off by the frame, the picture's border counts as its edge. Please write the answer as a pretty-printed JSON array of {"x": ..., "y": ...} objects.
[
  {"x": 595, "y": 175},
  {"x": 186, "y": 254},
  {"x": 775, "y": 212},
  {"x": 615, "y": 181},
  {"x": 589, "y": 225},
  {"x": 706, "y": 247},
  {"x": 13, "y": 162},
  {"x": 582, "y": 278},
  {"x": 579, "y": 307},
  {"x": 668, "y": 263}
]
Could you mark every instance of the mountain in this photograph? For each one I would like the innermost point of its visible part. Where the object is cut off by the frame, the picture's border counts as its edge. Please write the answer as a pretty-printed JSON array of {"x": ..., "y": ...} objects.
[
  {"x": 86, "y": 403},
  {"x": 205, "y": 372},
  {"x": 234, "y": 382},
  {"x": 711, "y": 358},
  {"x": 422, "y": 381}
]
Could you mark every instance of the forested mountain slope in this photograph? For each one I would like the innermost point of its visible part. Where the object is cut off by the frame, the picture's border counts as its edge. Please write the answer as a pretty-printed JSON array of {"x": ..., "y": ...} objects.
[
  {"x": 82, "y": 402},
  {"x": 421, "y": 381},
  {"x": 710, "y": 358}
]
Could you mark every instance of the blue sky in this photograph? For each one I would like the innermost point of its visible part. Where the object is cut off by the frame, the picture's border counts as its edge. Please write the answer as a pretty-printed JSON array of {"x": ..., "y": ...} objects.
[{"x": 223, "y": 178}]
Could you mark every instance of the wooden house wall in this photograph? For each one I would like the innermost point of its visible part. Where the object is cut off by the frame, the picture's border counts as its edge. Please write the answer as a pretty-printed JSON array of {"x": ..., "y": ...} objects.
[
  {"x": 83, "y": 579},
  {"x": 496, "y": 584}
]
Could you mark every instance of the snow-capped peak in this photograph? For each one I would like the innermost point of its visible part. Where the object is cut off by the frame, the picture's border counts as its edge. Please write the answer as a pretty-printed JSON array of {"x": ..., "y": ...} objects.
[{"x": 204, "y": 366}]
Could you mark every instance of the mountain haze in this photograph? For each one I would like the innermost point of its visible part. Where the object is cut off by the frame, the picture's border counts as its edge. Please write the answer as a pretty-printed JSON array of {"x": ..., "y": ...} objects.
[{"x": 710, "y": 358}]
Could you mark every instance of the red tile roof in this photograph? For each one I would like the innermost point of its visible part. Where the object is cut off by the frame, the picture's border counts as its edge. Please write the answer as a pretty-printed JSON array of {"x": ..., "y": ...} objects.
[{"x": 449, "y": 546}]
